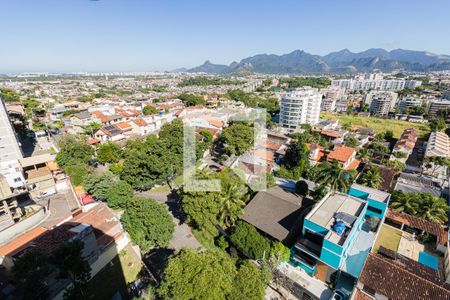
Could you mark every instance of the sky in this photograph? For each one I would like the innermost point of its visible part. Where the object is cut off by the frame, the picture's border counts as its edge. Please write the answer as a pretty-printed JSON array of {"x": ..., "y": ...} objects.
[{"x": 147, "y": 35}]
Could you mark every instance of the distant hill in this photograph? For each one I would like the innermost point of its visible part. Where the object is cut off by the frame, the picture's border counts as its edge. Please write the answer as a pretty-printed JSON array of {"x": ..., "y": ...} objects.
[{"x": 343, "y": 61}]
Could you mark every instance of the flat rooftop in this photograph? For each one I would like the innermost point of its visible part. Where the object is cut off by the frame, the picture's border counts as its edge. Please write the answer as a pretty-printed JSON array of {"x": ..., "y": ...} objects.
[
  {"x": 373, "y": 194},
  {"x": 324, "y": 214}
]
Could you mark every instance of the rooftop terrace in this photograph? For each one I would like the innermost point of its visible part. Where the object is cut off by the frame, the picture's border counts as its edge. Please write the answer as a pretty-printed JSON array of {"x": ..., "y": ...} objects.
[{"x": 335, "y": 205}]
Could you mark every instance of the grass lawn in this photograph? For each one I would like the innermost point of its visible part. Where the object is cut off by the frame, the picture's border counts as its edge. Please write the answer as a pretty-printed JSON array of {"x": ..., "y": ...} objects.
[
  {"x": 378, "y": 124},
  {"x": 116, "y": 275},
  {"x": 388, "y": 237}
]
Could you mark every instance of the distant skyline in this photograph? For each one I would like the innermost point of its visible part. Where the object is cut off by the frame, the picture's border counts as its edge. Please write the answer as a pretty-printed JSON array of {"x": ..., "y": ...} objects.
[{"x": 133, "y": 35}]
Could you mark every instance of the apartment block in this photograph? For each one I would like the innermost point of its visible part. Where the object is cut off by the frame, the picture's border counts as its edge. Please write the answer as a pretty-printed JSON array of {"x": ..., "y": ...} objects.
[{"x": 300, "y": 106}]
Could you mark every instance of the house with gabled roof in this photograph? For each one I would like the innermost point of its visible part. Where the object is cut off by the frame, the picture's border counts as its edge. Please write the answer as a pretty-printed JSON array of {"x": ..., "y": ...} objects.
[{"x": 109, "y": 133}]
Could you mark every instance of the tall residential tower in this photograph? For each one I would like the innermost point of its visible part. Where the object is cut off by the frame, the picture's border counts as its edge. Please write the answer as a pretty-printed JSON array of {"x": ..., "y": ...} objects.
[{"x": 300, "y": 106}]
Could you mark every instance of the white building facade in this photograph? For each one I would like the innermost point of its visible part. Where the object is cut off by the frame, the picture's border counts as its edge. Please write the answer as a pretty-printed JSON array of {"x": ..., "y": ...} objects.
[{"x": 300, "y": 106}]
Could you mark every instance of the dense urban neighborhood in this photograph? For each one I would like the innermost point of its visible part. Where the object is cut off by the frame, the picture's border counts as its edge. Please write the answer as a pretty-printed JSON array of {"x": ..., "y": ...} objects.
[{"x": 343, "y": 194}]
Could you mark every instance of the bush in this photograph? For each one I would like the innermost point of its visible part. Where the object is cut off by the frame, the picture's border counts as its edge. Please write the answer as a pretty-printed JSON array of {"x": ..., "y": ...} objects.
[{"x": 248, "y": 240}]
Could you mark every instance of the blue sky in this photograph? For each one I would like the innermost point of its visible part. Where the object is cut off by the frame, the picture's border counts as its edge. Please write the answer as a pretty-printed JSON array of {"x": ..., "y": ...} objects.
[{"x": 146, "y": 35}]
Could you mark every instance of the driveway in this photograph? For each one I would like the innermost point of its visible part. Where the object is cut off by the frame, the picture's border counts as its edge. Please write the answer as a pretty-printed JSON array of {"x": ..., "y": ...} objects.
[{"x": 182, "y": 236}]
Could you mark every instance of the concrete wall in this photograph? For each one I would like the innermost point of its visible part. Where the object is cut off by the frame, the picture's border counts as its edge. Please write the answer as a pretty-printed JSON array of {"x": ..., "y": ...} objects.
[{"x": 20, "y": 227}]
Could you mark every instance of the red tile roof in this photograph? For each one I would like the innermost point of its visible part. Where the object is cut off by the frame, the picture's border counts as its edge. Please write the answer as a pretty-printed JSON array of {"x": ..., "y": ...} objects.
[
  {"x": 396, "y": 282},
  {"x": 331, "y": 134},
  {"x": 418, "y": 223},
  {"x": 341, "y": 154}
]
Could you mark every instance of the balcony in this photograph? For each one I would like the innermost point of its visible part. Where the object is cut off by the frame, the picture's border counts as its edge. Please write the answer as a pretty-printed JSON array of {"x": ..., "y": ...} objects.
[{"x": 306, "y": 244}]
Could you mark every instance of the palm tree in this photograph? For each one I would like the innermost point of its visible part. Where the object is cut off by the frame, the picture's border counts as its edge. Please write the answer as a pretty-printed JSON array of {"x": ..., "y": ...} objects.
[
  {"x": 432, "y": 208},
  {"x": 372, "y": 178},
  {"x": 404, "y": 202},
  {"x": 332, "y": 175},
  {"x": 363, "y": 154},
  {"x": 232, "y": 201}
]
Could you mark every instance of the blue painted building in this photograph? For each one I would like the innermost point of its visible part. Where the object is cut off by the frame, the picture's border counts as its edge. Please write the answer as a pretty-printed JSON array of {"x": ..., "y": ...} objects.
[{"x": 337, "y": 234}]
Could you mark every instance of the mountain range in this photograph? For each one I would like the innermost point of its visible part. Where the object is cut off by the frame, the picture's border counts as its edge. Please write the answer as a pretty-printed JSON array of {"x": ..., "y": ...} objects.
[{"x": 344, "y": 61}]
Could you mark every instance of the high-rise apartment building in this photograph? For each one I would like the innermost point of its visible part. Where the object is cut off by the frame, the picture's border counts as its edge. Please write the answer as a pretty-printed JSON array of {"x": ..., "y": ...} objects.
[
  {"x": 437, "y": 105},
  {"x": 300, "y": 106},
  {"x": 380, "y": 104},
  {"x": 375, "y": 83},
  {"x": 9, "y": 145},
  {"x": 10, "y": 152}
]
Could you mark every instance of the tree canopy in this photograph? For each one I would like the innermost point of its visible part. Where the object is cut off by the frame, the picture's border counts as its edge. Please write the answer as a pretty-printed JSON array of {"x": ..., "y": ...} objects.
[
  {"x": 109, "y": 153},
  {"x": 151, "y": 160},
  {"x": 148, "y": 223},
  {"x": 198, "y": 275},
  {"x": 150, "y": 110},
  {"x": 423, "y": 205},
  {"x": 237, "y": 138}
]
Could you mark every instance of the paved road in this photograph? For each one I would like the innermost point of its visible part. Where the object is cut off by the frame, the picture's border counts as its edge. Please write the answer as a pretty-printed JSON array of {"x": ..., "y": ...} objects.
[{"x": 182, "y": 237}]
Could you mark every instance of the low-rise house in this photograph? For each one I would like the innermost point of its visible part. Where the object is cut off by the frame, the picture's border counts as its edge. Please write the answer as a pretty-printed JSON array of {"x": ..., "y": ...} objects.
[
  {"x": 336, "y": 136},
  {"x": 38, "y": 175},
  {"x": 80, "y": 120},
  {"x": 109, "y": 133},
  {"x": 278, "y": 213},
  {"x": 329, "y": 124},
  {"x": 412, "y": 183},
  {"x": 388, "y": 276},
  {"x": 316, "y": 153},
  {"x": 141, "y": 127},
  {"x": 95, "y": 225},
  {"x": 346, "y": 156},
  {"x": 405, "y": 145}
]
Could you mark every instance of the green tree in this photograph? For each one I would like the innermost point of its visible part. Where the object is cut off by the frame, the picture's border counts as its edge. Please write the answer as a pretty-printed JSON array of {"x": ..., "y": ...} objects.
[
  {"x": 71, "y": 264},
  {"x": 198, "y": 275},
  {"x": 150, "y": 110},
  {"x": 332, "y": 175},
  {"x": 397, "y": 166},
  {"x": 248, "y": 240},
  {"x": 372, "y": 177},
  {"x": 109, "y": 153},
  {"x": 150, "y": 161},
  {"x": 301, "y": 187},
  {"x": 403, "y": 202},
  {"x": 119, "y": 194},
  {"x": 77, "y": 172},
  {"x": 98, "y": 185},
  {"x": 148, "y": 223},
  {"x": 363, "y": 155},
  {"x": 73, "y": 150},
  {"x": 433, "y": 208},
  {"x": 92, "y": 128},
  {"x": 191, "y": 100},
  {"x": 319, "y": 192},
  {"x": 351, "y": 142},
  {"x": 9, "y": 95},
  {"x": 437, "y": 124},
  {"x": 237, "y": 138},
  {"x": 433, "y": 163},
  {"x": 232, "y": 202},
  {"x": 30, "y": 271},
  {"x": 250, "y": 282}
]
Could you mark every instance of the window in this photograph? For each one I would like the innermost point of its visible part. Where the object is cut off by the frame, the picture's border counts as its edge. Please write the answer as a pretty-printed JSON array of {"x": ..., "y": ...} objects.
[
  {"x": 375, "y": 210},
  {"x": 17, "y": 179}
]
